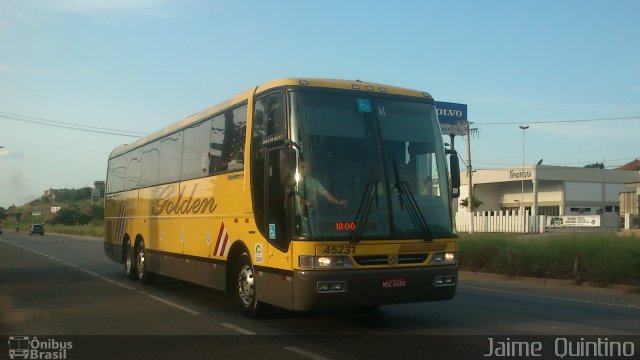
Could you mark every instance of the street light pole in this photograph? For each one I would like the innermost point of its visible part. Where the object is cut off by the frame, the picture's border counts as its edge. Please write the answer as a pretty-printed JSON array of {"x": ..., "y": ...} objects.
[
  {"x": 470, "y": 184},
  {"x": 523, "y": 127}
]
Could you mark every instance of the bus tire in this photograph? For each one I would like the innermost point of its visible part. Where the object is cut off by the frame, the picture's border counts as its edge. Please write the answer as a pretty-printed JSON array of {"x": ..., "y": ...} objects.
[
  {"x": 245, "y": 292},
  {"x": 143, "y": 275},
  {"x": 129, "y": 263}
]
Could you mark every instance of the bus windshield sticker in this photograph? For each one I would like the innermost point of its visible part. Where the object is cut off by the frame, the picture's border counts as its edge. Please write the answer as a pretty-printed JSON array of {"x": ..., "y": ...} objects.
[
  {"x": 272, "y": 231},
  {"x": 364, "y": 105}
]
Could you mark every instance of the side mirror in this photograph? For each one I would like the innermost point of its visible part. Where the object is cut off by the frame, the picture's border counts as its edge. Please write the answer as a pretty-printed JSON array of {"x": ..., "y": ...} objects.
[{"x": 454, "y": 170}]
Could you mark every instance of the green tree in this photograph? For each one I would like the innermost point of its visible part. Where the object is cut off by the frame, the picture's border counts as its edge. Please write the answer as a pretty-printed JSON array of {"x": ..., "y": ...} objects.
[
  {"x": 475, "y": 203},
  {"x": 595, "y": 166},
  {"x": 66, "y": 216},
  {"x": 96, "y": 212},
  {"x": 83, "y": 219}
]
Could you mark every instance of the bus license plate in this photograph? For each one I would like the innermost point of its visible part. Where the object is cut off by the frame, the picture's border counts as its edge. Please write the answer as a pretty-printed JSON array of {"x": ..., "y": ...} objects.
[{"x": 394, "y": 283}]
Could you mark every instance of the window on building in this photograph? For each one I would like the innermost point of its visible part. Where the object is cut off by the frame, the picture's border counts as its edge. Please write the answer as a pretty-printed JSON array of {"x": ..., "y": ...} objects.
[
  {"x": 549, "y": 210},
  {"x": 609, "y": 209},
  {"x": 580, "y": 210},
  {"x": 515, "y": 210}
]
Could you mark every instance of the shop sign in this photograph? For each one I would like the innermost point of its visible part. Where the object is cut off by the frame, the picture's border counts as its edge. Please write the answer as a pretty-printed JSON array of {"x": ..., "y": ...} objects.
[
  {"x": 574, "y": 221},
  {"x": 520, "y": 174}
]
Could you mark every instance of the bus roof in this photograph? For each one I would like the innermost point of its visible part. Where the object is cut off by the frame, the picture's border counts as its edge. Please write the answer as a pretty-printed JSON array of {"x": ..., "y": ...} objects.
[
  {"x": 341, "y": 84},
  {"x": 355, "y": 85}
]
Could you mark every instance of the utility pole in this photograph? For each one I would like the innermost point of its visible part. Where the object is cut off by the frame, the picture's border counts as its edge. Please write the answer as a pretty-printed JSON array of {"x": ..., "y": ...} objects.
[
  {"x": 469, "y": 175},
  {"x": 522, "y": 207}
]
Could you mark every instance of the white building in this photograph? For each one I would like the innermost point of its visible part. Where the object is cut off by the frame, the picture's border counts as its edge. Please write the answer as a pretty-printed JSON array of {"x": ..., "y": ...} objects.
[{"x": 549, "y": 190}]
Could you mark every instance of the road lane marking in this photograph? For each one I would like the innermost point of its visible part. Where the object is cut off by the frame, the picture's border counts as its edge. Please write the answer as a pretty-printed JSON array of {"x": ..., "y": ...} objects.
[
  {"x": 305, "y": 353},
  {"x": 70, "y": 264},
  {"x": 628, "y": 306},
  {"x": 171, "y": 303},
  {"x": 89, "y": 272},
  {"x": 238, "y": 329},
  {"x": 116, "y": 283}
]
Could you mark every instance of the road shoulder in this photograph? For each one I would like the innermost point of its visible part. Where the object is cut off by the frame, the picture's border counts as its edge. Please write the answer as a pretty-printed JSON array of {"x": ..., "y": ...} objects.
[{"x": 619, "y": 295}]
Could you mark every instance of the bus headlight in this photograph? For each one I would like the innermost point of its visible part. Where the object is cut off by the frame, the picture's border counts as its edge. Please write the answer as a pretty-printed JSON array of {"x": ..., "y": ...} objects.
[
  {"x": 444, "y": 258},
  {"x": 324, "y": 262}
]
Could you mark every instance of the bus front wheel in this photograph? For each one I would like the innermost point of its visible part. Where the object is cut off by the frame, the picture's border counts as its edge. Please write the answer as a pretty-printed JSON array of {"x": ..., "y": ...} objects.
[{"x": 245, "y": 287}]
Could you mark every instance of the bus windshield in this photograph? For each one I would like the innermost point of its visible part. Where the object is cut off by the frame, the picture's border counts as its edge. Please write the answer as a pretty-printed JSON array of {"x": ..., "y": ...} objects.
[{"x": 368, "y": 165}]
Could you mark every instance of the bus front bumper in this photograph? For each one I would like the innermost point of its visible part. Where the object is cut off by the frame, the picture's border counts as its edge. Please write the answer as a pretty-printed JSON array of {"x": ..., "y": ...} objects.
[{"x": 332, "y": 289}]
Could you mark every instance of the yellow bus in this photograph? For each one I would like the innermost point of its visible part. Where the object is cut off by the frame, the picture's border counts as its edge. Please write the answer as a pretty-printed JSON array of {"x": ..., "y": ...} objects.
[{"x": 300, "y": 193}]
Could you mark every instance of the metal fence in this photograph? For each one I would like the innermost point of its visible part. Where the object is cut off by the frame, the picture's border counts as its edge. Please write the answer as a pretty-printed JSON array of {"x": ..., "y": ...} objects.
[{"x": 631, "y": 221}]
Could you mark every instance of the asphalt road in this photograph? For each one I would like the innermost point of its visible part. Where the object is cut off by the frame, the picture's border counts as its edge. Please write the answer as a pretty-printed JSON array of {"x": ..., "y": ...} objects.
[{"x": 59, "y": 286}]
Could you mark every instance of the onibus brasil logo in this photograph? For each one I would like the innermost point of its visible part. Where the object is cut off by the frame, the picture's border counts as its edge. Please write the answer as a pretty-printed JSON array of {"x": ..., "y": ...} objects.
[{"x": 26, "y": 347}]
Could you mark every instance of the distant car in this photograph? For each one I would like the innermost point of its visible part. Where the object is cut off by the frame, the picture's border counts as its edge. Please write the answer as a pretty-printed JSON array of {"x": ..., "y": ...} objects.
[{"x": 36, "y": 229}]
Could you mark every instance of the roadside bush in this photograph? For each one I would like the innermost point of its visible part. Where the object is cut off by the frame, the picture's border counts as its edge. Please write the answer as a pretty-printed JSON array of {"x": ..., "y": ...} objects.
[{"x": 603, "y": 258}]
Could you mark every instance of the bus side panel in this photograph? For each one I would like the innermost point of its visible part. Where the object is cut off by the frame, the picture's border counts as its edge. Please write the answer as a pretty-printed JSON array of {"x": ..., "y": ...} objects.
[
  {"x": 112, "y": 245},
  {"x": 196, "y": 270},
  {"x": 120, "y": 209},
  {"x": 274, "y": 287},
  {"x": 185, "y": 231},
  {"x": 213, "y": 217},
  {"x": 273, "y": 274},
  {"x": 160, "y": 204}
]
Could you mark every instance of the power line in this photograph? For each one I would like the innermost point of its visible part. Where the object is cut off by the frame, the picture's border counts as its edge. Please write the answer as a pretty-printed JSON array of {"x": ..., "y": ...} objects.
[
  {"x": 54, "y": 146},
  {"x": 607, "y": 165},
  {"x": 636, "y": 117},
  {"x": 67, "y": 125}
]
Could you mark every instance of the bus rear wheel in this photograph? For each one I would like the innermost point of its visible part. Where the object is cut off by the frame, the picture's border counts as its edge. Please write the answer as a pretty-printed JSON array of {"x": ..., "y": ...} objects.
[
  {"x": 143, "y": 275},
  {"x": 245, "y": 288}
]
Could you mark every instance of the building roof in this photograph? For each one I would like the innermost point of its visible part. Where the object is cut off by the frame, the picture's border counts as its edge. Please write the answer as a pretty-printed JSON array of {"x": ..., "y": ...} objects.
[
  {"x": 633, "y": 165},
  {"x": 553, "y": 173}
]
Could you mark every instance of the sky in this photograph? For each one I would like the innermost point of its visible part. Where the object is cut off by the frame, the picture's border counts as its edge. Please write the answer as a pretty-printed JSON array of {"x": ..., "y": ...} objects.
[{"x": 78, "y": 78}]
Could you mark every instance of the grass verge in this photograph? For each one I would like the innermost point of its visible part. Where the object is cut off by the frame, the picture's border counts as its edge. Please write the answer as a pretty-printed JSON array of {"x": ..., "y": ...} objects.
[
  {"x": 83, "y": 230},
  {"x": 599, "y": 258}
]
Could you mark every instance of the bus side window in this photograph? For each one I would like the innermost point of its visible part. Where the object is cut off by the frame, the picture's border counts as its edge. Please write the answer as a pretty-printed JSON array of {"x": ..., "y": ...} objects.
[
  {"x": 116, "y": 174},
  {"x": 170, "y": 158},
  {"x": 217, "y": 139},
  {"x": 194, "y": 150},
  {"x": 226, "y": 151}
]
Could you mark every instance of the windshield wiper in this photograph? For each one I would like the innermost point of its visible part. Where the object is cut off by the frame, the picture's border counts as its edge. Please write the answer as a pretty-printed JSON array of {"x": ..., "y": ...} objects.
[
  {"x": 406, "y": 197},
  {"x": 362, "y": 216}
]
